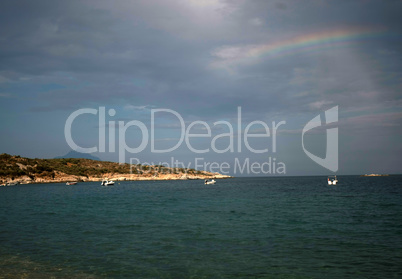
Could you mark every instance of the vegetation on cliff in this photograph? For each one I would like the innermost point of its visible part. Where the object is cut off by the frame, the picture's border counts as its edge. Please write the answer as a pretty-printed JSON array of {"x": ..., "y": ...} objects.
[{"x": 40, "y": 170}]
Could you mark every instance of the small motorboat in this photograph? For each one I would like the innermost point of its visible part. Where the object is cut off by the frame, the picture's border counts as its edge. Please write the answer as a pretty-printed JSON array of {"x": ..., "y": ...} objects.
[
  {"x": 107, "y": 182},
  {"x": 211, "y": 181},
  {"x": 332, "y": 180},
  {"x": 71, "y": 183}
]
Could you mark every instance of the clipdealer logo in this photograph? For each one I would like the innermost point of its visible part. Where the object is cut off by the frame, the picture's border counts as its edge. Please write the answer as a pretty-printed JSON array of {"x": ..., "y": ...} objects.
[{"x": 237, "y": 139}]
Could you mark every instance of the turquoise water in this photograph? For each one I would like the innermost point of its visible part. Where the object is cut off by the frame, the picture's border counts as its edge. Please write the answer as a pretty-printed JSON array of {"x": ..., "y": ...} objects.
[{"x": 288, "y": 227}]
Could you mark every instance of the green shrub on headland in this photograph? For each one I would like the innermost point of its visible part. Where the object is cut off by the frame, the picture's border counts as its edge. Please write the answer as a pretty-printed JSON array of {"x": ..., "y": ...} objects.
[{"x": 14, "y": 167}]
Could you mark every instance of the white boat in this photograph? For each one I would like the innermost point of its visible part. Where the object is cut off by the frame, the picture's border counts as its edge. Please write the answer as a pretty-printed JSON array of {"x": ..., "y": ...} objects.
[
  {"x": 332, "y": 180},
  {"x": 107, "y": 182},
  {"x": 209, "y": 181},
  {"x": 71, "y": 183}
]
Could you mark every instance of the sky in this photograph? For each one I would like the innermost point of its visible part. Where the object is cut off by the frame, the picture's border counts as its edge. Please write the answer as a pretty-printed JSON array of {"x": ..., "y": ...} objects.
[{"x": 192, "y": 82}]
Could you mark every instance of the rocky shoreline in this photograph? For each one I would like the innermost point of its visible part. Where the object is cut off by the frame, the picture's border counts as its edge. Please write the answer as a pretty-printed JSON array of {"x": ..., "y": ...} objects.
[{"x": 114, "y": 177}]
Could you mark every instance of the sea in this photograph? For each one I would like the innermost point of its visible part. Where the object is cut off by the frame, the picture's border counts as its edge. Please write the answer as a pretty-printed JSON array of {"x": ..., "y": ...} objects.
[{"x": 269, "y": 227}]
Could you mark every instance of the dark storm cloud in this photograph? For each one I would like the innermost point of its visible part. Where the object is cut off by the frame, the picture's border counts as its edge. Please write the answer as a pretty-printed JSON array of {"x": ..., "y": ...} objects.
[
  {"x": 79, "y": 38},
  {"x": 118, "y": 51}
]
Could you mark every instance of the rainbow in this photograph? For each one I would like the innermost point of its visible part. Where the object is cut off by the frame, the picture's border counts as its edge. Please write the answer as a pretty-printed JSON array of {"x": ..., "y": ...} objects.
[{"x": 304, "y": 43}]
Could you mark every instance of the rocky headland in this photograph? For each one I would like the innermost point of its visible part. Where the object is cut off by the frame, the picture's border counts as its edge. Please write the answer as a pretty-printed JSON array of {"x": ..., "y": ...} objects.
[
  {"x": 19, "y": 170},
  {"x": 375, "y": 174}
]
